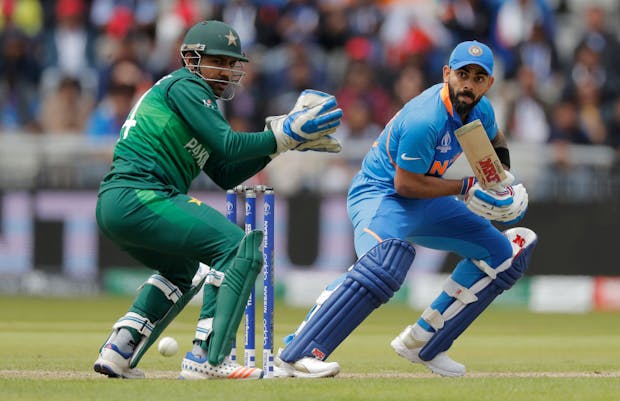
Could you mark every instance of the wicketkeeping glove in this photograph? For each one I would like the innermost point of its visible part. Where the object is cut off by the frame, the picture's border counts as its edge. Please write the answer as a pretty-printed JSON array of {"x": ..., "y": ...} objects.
[
  {"x": 310, "y": 98},
  {"x": 314, "y": 116},
  {"x": 325, "y": 143}
]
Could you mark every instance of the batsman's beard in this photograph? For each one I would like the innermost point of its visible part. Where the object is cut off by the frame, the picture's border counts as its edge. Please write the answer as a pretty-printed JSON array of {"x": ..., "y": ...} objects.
[{"x": 461, "y": 107}]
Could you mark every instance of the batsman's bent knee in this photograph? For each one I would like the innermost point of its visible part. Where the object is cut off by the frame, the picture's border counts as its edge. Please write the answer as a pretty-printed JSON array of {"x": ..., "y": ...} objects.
[
  {"x": 370, "y": 282},
  {"x": 471, "y": 302}
]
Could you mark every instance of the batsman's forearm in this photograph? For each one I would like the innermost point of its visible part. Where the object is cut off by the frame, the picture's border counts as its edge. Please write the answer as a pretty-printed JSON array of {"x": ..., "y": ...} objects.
[{"x": 428, "y": 187}]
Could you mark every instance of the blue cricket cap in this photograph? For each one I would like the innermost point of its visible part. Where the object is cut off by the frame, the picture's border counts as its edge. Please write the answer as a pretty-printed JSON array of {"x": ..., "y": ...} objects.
[{"x": 472, "y": 52}]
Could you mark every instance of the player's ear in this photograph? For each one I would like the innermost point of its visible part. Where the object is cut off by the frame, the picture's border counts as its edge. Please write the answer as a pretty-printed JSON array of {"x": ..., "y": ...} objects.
[
  {"x": 490, "y": 83},
  {"x": 446, "y": 73}
]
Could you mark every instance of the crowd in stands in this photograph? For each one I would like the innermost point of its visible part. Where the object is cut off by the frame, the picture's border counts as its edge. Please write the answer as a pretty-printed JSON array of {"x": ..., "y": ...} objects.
[{"x": 75, "y": 67}]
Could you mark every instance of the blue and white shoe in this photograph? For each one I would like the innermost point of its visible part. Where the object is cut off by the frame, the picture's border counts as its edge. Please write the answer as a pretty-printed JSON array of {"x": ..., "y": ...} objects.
[
  {"x": 115, "y": 364},
  {"x": 196, "y": 368}
]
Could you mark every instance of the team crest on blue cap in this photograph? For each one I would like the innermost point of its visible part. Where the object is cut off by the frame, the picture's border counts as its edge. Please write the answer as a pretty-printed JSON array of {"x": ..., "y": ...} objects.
[
  {"x": 472, "y": 52},
  {"x": 475, "y": 50}
]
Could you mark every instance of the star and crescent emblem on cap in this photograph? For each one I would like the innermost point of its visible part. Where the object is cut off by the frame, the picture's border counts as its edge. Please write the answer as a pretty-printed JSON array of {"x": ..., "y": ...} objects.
[
  {"x": 475, "y": 51},
  {"x": 232, "y": 39}
]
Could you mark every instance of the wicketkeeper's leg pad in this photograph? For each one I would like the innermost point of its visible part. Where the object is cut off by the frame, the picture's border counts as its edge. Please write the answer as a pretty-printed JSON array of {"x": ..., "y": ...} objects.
[
  {"x": 370, "y": 282},
  {"x": 150, "y": 331},
  {"x": 233, "y": 295},
  {"x": 471, "y": 302}
]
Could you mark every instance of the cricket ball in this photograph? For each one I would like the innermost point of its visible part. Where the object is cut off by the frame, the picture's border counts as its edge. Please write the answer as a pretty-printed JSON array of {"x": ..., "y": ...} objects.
[{"x": 168, "y": 346}]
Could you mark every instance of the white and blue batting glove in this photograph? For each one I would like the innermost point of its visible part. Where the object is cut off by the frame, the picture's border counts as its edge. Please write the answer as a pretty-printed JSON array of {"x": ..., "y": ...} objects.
[
  {"x": 509, "y": 180},
  {"x": 492, "y": 197},
  {"x": 506, "y": 206},
  {"x": 517, "y": 209}
]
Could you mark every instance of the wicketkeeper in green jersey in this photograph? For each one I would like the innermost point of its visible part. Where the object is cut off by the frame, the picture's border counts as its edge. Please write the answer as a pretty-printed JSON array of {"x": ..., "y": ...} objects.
[{"x": 174, "y": 132}]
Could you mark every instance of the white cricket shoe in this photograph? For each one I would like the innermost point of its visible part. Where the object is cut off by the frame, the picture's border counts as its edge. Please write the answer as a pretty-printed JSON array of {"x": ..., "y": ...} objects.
[
  {"x": 196, "y": 368},
  {"x": 408, "y": 345},
  {"x": 305, "y": 368},
  {"x": 115, "y": 364}
]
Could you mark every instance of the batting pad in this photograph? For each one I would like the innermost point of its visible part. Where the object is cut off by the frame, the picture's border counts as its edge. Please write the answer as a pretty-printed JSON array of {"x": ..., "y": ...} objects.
[
  {"x": 371, "y": 282},
  {"x": 233, "y": 295},
  {"x": 523, "y": 242}
]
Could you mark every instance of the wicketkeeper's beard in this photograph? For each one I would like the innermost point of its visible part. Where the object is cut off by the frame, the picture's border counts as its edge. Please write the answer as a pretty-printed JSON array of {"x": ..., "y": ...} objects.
[{"x": 462, "y": 107}]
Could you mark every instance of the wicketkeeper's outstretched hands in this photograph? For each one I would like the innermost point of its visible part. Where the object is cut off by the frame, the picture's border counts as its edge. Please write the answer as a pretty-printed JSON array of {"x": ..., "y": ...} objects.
[{"x": 313, "y": 118}]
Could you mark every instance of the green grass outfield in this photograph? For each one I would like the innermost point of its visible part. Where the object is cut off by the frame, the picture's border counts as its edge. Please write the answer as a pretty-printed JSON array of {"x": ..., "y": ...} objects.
[{"x": 47, "y": 347}]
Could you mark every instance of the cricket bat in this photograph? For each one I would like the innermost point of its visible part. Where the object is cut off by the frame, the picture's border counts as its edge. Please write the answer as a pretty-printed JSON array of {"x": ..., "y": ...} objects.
[{"x": 480, "y": 154}]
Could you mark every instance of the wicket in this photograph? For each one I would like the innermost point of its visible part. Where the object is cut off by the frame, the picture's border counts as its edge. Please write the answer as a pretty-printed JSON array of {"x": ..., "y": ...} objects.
[{"x": 249, "y": 195}]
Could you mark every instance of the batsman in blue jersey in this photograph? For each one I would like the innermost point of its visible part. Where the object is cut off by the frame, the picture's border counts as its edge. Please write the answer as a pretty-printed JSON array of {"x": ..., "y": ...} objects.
[{"x": 398, "y": 198}]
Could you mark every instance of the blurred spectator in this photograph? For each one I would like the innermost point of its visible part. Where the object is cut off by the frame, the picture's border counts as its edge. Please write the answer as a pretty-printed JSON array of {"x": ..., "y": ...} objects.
[
  {"x": 590, "y": 112},
  {"x": 412, "y": 34},
  {"x": 19, "y": 81},
  {"x": 266, "y": 23},
  {"x": 598, "y": 38},
  {"x": 365, "y": 18},
  {"x": 467, "y": 19},
  {"x": 25, "y": 15},
  {"x": 66, "y": 109},
  {"x": 111, "y": 112},
  {"x": 129, "y": 55},
  {"x": 586, "y": 69},
  {"x": 527, "y": 119},
  {"x": 409, "y": 84},
  {"x": 127, "y": 81},
  {"x": 361, "y": 84},
  {"x": 539, "y": 54},
  {"x": 333, "y": 36},
  {"x": 358, "y": 131},
  {"x": 298, "y": 22},
  {"x": 118, "y": 17},
  {"x": 333, "y": 31},
  {"x": 69, "y": 47},
  {"x": 514, "y": 24},
  {"x": 289, "y": 69},
  {"x": 565, "y": 130}
]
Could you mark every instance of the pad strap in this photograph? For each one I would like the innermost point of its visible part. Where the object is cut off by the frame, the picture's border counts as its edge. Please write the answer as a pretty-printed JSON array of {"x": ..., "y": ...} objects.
[
  {"x": 486, "y": 269},
  {"x": 171, "y": 291},
  {"x": 434, "y": 318},
  {"x": 204, "y": 328},
  {"x": 214, "y": 277},
  {"x": 131, "y": 319},
  {"x": 459, "y": 292}
]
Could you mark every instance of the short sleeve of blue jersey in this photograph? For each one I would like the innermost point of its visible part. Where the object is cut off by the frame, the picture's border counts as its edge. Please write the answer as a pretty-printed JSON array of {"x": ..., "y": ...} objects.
[
  {"x": 416, "y": 146},
  {"x": 487, "y": 117}
]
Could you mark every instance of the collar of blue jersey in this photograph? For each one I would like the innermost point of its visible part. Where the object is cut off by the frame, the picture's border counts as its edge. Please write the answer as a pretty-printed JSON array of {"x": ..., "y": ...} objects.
[{"x": 455, "y": 119}]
